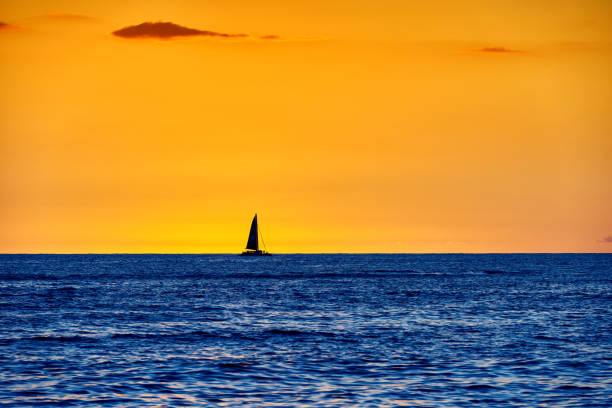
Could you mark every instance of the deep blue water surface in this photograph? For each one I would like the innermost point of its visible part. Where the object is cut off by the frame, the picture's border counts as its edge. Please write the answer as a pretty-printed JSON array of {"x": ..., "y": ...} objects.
[{"x": 306, "y": 330}]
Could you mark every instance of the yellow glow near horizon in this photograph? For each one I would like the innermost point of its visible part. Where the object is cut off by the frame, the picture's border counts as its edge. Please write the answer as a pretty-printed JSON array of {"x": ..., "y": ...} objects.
[{"x": 368, "y": 126}]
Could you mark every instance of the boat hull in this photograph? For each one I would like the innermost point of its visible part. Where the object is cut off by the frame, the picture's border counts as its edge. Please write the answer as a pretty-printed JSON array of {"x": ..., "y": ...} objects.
[{"x": 255, "y": 253}]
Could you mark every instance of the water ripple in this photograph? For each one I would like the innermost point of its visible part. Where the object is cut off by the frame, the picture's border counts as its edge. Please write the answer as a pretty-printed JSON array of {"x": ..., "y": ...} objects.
[{"x": 306, "y": 330}]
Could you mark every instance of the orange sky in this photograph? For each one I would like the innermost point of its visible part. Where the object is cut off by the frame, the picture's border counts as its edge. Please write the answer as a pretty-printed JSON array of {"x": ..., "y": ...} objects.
[{"x": 367, "y": 126}]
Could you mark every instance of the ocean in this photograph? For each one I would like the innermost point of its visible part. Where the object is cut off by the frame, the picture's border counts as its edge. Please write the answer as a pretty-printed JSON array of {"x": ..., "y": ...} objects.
[{"x": 379, "y": 330}]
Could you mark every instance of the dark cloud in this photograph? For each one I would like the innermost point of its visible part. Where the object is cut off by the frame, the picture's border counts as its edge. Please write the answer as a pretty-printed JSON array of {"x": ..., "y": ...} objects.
[
  {"x": 8, "y": 26},
  {"x": 497, "y": 50},
  {"x": 166, "y": 30},
  {"x": 270, "y": 37},
  {"x": 69, "y": 16},
  {"x": 607, "y": 239}
]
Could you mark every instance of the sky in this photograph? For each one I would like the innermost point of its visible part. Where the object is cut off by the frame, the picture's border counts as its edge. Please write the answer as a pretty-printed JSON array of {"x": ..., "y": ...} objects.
[{"x": 347, "y": 126}]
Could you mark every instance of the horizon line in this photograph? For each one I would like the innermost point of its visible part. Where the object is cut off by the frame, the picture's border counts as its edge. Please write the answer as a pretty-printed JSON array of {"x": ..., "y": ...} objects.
[{"x": 304, "y": 253}]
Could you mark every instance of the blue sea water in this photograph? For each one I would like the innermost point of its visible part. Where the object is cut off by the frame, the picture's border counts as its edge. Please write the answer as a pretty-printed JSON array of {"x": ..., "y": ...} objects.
[{"x": 306, "y": 330}]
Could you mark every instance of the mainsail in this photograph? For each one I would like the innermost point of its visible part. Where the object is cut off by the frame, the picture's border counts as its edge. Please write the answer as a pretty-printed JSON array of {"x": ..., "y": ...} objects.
[{"x": 253, "y": 242}]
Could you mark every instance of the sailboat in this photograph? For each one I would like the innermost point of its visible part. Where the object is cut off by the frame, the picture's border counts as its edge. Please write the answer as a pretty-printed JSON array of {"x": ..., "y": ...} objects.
[{"x": 252, "y": 246}]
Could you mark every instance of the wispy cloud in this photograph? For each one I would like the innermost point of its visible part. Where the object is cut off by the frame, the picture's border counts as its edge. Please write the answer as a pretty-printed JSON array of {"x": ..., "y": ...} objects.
[
  {"x": 167, "y": 30},
  {"x": 498, "y": 50},
  {"x": 607, "y": 239},
  {"x": 69, "y": 17},
  {"x": 6, "y": 26}
]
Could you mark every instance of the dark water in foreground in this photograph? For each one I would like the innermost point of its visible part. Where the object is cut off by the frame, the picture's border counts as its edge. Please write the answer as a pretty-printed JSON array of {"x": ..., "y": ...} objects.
[{"x": 306, "y": 330}]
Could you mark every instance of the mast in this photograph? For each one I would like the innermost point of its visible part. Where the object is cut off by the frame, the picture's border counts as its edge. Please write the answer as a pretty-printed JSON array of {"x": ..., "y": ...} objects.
[{"x": 253, "y": 242}]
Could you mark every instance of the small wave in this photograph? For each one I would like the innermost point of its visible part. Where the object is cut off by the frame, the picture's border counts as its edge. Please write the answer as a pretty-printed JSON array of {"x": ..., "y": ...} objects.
[
  {"x": 481, "y": 387},
  {"x": 339, "y": 394},
  {"x": 62, "y": 289},
  {"x": 572, "y": 387},
  {"x": 548, "y": 338},
  {"x": 208, "y": 308},
  {"x": 61, "y": 338},
  {"x": 521, "y": 363},
  {"x": 400, "y": 367},
  {"x": 292, "y": 332},
  {"x": 574, "y": 364},
  {"x": 195, "y": 333},
  {"x": 26, "y": 277},
  {"x": 236, "y": 365},
  {"x": 494, "y": 271},
  {"x": 132, "y": 336}
]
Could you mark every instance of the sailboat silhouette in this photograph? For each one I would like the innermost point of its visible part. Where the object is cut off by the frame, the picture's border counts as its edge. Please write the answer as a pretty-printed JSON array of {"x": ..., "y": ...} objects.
[{"x": 252, "y": 246}]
